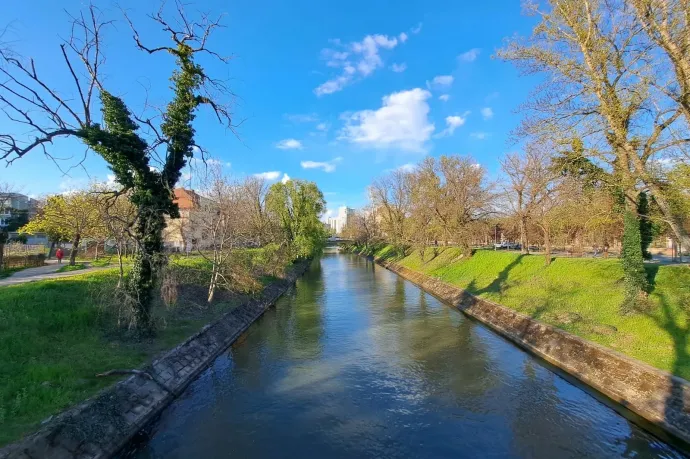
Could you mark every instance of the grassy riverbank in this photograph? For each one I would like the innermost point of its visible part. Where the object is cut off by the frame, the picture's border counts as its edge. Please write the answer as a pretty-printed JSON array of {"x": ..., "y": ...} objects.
[
  {"x": 581, "y": 296},
  {"x": 56, "y": 335}
]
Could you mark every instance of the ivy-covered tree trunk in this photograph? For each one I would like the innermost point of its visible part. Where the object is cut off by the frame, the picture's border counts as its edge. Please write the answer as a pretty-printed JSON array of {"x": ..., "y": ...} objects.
[
  {"x": 646, "y": 225},
  {"x": 635, "y": 276},
  {"x": 148, "y": 262}
]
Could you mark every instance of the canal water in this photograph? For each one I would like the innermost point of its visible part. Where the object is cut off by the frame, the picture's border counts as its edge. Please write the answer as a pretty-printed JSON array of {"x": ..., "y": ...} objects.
[{"x": 357, "y": 362}]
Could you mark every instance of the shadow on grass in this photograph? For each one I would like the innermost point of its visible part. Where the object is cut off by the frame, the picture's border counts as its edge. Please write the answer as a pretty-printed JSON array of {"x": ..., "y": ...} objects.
[
  {"x": 498, "y": 285},
  {"x": 678, "y": 331},
  {"x": 652, "y": 271}
]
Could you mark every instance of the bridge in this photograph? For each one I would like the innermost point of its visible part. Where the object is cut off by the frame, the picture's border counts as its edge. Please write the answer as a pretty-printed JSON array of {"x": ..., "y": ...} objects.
[{"x": 336, "y": 240}]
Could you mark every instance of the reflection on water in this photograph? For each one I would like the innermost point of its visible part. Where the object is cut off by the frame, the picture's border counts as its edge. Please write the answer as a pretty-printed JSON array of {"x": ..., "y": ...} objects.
[{"x": 356, "y": 362}]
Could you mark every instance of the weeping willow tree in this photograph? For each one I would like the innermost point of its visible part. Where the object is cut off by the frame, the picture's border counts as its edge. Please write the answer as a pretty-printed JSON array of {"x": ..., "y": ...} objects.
[{"x": 118, "y": 138}]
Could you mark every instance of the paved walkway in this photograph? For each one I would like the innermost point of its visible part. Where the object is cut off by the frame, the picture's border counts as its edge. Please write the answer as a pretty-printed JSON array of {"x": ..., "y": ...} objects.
[{"x": 42, "y": 273}]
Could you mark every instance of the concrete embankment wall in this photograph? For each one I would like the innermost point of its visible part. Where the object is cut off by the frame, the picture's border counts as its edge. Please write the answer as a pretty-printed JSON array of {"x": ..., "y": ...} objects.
[
  {"x": 655, "y": 395},
  {"x": 102, "y": 425}
]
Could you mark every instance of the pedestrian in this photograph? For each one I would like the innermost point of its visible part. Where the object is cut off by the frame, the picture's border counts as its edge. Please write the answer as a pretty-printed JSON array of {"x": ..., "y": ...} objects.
[{"x": 59, "y": 254}]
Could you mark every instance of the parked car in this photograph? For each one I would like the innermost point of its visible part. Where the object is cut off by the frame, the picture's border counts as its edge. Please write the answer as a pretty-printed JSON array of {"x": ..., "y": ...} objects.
[{"x": 507, "y": 246}]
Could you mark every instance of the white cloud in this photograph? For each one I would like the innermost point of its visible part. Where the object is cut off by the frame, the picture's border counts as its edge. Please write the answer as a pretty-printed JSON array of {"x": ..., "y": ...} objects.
[
  {"x": 285, "y": 179},
  {"x": 409, "y": 167},
  {"x": 444, "y": 97},
  {"x": 357, "y": 59},
  {"x": 328, "y": 214},
  {"x": 331, "y": 86},
  {"x": 303, "y": 118},
  {"x": 111, "y": 180},
  {"x": 479, "y": 135},
  {"x": 70, "y": 185},
  {"x": 402, "y": 122},
  {"x": 487, "y": 113},
  {"x": 452, "y": 123},
  {"x": 322, "y": 127},
  {"x": 327, "y": 166},
  {"x": 470, "y": 56},
  {"x": 398, "y": 68},
  {"x": 416, "y": 30},
  {"x": 440, "y": 82},
  {"x": 270, "y": 175},
  {"x": 289, "y": 144}
]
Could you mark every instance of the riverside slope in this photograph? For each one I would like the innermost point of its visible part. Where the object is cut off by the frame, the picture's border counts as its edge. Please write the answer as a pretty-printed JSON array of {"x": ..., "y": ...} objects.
[
  {"x": 655, "y": 395},
  {"x": 105, "y": 423}
]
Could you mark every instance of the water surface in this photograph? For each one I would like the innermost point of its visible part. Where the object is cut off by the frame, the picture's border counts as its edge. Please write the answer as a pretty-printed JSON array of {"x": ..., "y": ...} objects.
[{"x": 357, "y": 362}]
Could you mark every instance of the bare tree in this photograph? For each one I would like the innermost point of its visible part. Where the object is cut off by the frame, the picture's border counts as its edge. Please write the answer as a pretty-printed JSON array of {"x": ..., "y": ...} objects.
[
  {"x": 391, "y": 197},
  {"x": 118, "y": 216},
  {"x": 667, "y": 23},
  {"x": 600, "y": 71},
  {"x": 466, "y": 198},
  {"x": 534, "y": 186},
  {"x": 425, "y": 199},
  {"x": 29, "y": 101},
  {"x": 513, "y": 165},
  {"x": 253, "y": 191},
  {"x": 221, "y": 220},
  {"x": 363, "y": 227}
]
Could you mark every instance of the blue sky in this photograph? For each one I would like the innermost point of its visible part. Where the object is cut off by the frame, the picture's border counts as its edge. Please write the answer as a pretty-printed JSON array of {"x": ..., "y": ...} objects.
[{"x": 334, "y": 92}]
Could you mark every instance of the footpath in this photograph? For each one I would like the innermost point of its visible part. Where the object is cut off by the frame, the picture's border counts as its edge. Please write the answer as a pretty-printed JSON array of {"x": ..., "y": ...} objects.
[{"x": 49, "y": 271}]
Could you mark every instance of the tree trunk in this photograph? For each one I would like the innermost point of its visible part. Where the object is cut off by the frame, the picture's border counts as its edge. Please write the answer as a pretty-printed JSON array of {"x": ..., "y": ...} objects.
[
  {"x": 524, "y": 247},
  {"x": 547, "y": 245},
  {"x": 119, "y": 260},
  {"x": 75, "y": 249},
  {"x": 635, "y": 278},
  {"x": 96, "y": 255},
  {"x": 212, "y": 285},
  {"x": 50, "y": 250},
  {"x": 147, "y": 261},
  {"x": 2, "y": 254},
  {"x": 672, "y": 220},
  {"x": 657, "y": 193}
]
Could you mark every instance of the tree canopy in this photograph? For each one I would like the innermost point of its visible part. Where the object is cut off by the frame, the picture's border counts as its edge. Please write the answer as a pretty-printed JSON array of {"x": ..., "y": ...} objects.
[{"x": 297, "y": 206}]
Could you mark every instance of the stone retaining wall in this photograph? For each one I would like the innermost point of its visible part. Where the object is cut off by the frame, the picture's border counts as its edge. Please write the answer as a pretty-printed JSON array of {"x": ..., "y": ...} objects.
[
  {"x": 655, "y": 395},
  {"x": 101, "y": 426}
]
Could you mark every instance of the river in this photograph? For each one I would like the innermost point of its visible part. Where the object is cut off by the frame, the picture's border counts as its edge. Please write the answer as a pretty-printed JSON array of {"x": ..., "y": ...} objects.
[{"x": 357, "y": 362}]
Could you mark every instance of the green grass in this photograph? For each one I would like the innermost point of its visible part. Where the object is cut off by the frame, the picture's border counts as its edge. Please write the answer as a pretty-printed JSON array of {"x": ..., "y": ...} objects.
[
  {"x": 56, "y": 335},
  {"x": 69, "y": 268},
  {"x": 103, "y": 261},
  {"x": 581, "y": 296}
]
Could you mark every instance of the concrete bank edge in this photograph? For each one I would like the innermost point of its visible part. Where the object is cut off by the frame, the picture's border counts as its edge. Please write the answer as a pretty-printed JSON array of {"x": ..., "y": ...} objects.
[
  {"x": 102, "y": 425},
  {"x": 655, "y": 395}
]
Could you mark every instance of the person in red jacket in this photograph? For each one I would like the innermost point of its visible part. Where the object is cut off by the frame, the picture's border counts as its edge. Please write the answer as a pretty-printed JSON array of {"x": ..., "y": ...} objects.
[{"x": 59, "y": 254}]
